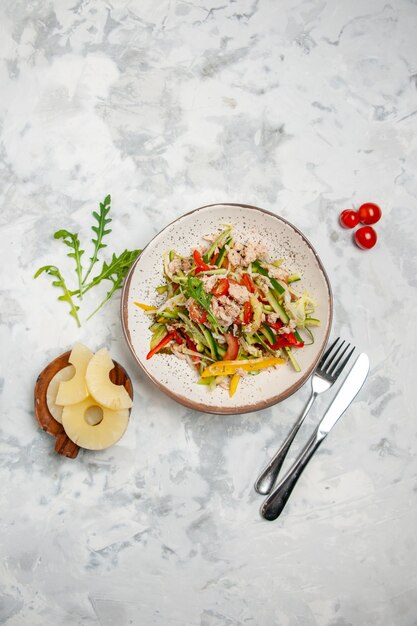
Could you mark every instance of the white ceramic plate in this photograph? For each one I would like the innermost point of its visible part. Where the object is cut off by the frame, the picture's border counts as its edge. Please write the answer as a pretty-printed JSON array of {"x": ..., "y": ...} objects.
[{"x": 174, "y": 376}]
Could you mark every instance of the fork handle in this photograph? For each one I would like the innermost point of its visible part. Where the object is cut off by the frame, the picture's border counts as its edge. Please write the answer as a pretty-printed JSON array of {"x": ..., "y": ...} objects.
[
  {"x": 269, "y": 474},
  {"x": 276, "y": 501}
]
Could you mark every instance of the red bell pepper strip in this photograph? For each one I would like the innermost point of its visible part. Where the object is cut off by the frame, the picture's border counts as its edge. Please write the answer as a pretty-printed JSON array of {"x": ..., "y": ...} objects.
[
  {"x": 248, "y": 283},
  {"x": 165, "y": 341},
  {"x": 276, "y": 325},
  {"x": 191, "y": 346},
  {"x": 178, "y": 338},
  {"x": 221, "y": 288},
  {"x": 247, "y": 313},
  {"x": 293, "y": 341},
  {"x": 232, "y": 347},
  {"x": 288, "y": 339},
  {"x": 198, "y": 260}
]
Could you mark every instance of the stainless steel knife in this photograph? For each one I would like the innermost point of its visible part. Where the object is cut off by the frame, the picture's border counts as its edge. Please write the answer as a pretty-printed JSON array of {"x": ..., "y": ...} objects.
[{"x": 277, "y": 499}]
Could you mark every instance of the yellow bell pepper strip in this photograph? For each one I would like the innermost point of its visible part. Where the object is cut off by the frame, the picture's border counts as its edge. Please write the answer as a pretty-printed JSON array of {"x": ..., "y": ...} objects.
[
  {"x": 233, "y": 384},
  {"x": 257, "y": 312},
  {"x": 145, "y": 307},
  {"x": 224, "y": 368}
]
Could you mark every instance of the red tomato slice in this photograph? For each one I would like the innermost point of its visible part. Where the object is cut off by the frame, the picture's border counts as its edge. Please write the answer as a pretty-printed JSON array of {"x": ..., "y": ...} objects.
[
  {"x": 232, "y": 347},
  {"x": 247, "y": 313},
  {"x": 197, "y": 314},
  {"x": 221, "y": 287}
]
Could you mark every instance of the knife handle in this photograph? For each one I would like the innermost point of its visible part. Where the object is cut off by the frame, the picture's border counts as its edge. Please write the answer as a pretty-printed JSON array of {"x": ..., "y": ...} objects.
[
  {"x": 269, "y": 474},
  {"x": 278, "y": 498}
]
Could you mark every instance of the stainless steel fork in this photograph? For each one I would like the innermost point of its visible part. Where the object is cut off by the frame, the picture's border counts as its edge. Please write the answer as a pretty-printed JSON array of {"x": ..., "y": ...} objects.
[{"x": 329, "y": 368}]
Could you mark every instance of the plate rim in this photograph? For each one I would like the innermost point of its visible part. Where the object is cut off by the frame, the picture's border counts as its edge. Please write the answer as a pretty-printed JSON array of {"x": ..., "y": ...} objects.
[{"x": 222, "y": 410}]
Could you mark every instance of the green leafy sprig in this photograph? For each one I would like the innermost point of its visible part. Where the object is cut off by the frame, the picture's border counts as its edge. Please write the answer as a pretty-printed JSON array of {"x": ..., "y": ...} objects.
[
  {"x": 195, "y": 289},
  {"x": 100, "y": 231},
  {"x": 115, "y": 270},
  {"x": 52, "y": 270},
  {"x": 72, "y": 241}
]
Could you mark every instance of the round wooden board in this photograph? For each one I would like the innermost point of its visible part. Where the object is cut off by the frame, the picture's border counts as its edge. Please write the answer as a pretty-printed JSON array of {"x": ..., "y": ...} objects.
[{"x": 64, "y": 445}]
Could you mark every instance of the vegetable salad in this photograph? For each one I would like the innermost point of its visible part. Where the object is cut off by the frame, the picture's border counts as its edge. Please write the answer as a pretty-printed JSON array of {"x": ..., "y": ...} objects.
[{"x": 230, "y": 311}]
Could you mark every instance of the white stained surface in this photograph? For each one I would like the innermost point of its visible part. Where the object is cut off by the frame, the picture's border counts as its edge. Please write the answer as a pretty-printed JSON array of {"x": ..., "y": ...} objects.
[{"x": 304, "y": 109}]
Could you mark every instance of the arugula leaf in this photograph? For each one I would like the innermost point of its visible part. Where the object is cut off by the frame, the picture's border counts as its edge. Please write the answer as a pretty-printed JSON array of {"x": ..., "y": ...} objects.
[
  {"x": 52, "y": 270},
  {"x": 195, "y": 289},
  {"x": 115, "y": 272},
  {"x": 100, "y": 231},
  {"x": 73, "y": 242}
]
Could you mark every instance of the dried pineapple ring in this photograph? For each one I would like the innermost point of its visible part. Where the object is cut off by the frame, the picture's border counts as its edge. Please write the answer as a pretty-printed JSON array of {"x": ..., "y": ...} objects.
[
  {"x": 75, "y": 390},
  {"x": 94, "y": 436},
  {"x": 66, "y": 373},
  {"x": 100, "y": 386}
]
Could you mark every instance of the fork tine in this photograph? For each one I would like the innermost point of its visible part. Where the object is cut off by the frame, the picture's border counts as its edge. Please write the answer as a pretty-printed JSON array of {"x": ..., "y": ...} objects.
[
  {"x": 331, "y": 363},
  {"x": 326, "y": 365},
  {"x": 336, "y": 357},
  {"x": 326, "y": 354},
  {"x": 343, "y": 363}
]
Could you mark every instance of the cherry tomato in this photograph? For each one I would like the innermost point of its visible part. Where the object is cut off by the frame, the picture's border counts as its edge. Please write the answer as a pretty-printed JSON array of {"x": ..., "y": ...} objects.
[
  {"x": 349, "y": 218},
  {"x": 247, "y": 313},
  {"x": 197, "y": 314},
  {"x": 232, "y": 347},
  {"x": 365, "y": 237},
  {"x": 221, "y": 287},
  {"x": 369, "y": 213}
]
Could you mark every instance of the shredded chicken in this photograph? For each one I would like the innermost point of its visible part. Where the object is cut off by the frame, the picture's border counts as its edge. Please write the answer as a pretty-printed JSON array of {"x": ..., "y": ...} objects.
[
  {"x": 242, "y": 255},
  {"x": 185, "y": 265},
  {"x": 273, "y": 317},
  {"x": 254, "y": 251},
  {"x": 177, "y": 350},
  {"x": 179, "y": 264},
  {"x": 263, "y": 282},
  {"x": 225, "y": 309},
  {"x": 234, "y": 258},
  {"x": 239, "y": 293},
  {"x": 190, "y": 302},
  {"x": 208, "y": 282},
  {"x": 289, "y": 328},
  {"x": 277, "y": 272},
  {"x": 174, "y": 265}
]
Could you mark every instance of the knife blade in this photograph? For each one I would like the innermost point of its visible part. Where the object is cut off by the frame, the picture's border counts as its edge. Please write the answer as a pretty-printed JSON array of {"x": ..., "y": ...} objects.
[{"x": 347, "y": 392}]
